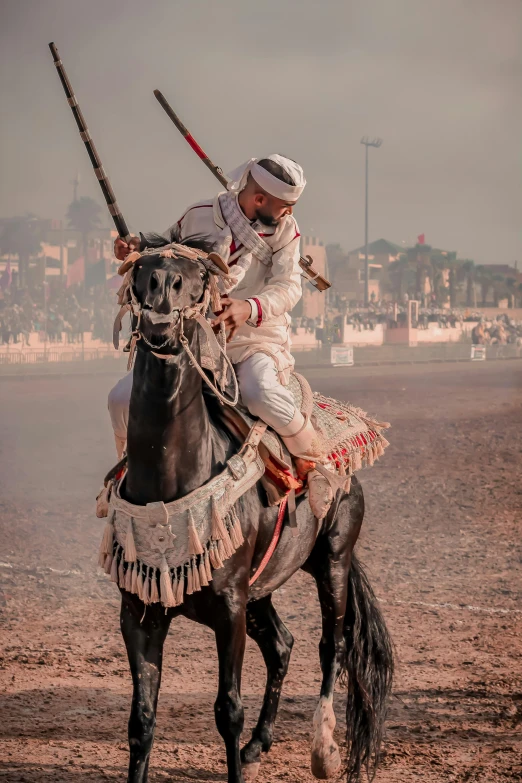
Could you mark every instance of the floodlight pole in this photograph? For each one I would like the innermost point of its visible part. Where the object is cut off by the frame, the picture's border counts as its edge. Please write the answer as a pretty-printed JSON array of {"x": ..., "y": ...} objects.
[{"x": 367, "y": 143}]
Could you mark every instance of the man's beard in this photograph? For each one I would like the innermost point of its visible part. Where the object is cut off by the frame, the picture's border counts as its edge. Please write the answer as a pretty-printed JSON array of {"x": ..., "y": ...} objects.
[{"x": 267, "y": 220}]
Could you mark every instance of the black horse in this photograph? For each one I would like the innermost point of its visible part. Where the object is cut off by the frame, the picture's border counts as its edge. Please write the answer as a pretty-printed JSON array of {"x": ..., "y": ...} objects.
[{"x": 176, "y": 444}]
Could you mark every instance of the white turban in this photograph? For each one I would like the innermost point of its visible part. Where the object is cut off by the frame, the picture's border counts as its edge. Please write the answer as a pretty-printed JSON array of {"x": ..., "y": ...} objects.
[{"x": 276, "y": 187}]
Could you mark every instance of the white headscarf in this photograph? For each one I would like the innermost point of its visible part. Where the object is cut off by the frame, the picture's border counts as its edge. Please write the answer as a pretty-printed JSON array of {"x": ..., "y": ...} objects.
[{"x": 276, "y": 187}]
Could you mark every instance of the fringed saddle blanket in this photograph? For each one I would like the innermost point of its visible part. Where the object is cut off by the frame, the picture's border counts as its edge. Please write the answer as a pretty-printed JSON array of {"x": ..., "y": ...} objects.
[
  {"x": 164, "y": 551},
  {"x": 350, "y": 438}
]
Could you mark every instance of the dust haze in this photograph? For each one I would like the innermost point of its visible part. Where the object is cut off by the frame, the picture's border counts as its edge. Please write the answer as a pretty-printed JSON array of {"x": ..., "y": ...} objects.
[{"x": 440, "y": 82}]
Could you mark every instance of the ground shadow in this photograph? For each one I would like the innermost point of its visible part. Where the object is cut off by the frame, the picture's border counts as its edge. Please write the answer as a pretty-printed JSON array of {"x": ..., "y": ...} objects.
[{"x": 60, "y": 773}]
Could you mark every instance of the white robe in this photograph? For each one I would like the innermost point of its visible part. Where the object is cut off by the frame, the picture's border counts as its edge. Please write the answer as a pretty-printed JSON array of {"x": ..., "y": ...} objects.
[{"x": 275, "y": 289}]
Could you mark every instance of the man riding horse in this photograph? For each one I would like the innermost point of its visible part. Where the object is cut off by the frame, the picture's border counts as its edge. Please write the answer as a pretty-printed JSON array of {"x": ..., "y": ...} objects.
[
  {"x": 251, "y": 226},
  {"x": 189, "y": 527}
]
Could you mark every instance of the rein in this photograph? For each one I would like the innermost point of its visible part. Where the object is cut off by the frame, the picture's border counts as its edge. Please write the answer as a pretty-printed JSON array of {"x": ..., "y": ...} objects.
[{"x": 194, "y": 312}]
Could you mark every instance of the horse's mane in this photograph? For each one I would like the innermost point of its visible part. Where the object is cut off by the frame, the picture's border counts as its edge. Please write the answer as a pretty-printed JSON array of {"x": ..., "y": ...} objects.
[{"x": 199, "y": 242}]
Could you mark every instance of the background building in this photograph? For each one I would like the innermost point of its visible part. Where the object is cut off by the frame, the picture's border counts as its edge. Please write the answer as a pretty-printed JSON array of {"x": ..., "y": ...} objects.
[
  {"x": 347, "y": 269},
  {"x": 313, "y": 303}
]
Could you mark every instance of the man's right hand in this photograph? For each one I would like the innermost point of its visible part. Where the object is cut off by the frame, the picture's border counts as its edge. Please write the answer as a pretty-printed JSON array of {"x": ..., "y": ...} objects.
[{"x": 122, "y": 249}]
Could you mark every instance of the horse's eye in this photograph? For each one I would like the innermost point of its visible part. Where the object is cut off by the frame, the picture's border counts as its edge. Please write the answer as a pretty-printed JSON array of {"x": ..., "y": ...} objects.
[{"x": 203, "y": 274}]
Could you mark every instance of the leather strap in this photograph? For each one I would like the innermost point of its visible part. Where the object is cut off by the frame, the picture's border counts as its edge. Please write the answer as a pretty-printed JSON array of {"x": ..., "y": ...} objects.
[
  {"x": 134, "y": 339},
  {"x": 273, "y": 544},
  {"x": 249, "y": 450},
  {"x": 336, "y": 482},
  {"x": 250, "y": 446},
  {"x": 292, "y": 512},
  {"x": 256, "y": 433},
  {"x": 116, "y": 329},
  {"x": 213, "y": 345}
]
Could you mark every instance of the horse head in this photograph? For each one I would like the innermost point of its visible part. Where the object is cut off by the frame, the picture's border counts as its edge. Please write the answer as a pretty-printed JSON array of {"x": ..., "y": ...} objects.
[
  {"x": 163, "y": 286},
  {"x": 170, "y": 293}
]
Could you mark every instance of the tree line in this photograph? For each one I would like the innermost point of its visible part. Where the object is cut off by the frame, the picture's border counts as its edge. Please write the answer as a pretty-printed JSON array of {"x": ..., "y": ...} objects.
[
  {"x": 437, "y": 277},
  {"x": 23, "y": 236}
]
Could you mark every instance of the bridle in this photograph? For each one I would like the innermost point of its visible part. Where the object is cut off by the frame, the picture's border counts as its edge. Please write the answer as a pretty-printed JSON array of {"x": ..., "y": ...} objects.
[{"x": 130, "y": 303}]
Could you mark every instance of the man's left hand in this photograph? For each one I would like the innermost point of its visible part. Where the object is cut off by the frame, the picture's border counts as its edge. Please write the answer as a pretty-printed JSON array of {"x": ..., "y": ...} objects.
[{"x": 235, "y": 313}]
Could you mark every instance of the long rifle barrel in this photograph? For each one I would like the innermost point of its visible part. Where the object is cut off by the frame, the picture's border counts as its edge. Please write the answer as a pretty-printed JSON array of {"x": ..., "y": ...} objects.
[
  {"x": 102, "y": 177},
  {"x": 306, "y": 264},
  {"x": 216, "y": 171}
]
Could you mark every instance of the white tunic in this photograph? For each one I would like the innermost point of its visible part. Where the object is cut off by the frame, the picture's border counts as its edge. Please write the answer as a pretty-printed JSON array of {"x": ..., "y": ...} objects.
[{"x": 273, "y": 290}]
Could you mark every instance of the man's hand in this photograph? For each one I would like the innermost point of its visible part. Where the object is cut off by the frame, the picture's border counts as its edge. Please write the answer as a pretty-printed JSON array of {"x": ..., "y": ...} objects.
[
  {"x": 235, "y": 313},
  {"x": 122, "y": 249}
]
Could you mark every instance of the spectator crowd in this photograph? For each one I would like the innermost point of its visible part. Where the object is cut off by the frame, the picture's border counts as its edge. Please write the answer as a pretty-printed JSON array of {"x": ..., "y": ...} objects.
[
  {"x": 65, "y": 314},
  {"x": 501, "y": 329},
  {"x": 57, "y": 314}
]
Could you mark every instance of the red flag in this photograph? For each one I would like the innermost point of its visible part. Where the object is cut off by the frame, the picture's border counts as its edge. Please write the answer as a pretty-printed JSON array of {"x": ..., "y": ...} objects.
[{"x": 420, "y": 239}]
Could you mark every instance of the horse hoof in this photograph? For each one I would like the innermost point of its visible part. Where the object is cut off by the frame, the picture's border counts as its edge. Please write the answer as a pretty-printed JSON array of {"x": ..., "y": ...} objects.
[
  {"x": 325, "y": 764},
  {"x": 251, "y": 771}
]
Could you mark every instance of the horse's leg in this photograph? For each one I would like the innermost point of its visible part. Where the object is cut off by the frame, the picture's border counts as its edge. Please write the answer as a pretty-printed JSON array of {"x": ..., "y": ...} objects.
[
  {"x": 330, "y": 568},
  {"x": 144, "y": 642},
  {"x": 230, "y": 627},
  {"x": 332, "y": 585},
  {"x": 275, "y": 642}
]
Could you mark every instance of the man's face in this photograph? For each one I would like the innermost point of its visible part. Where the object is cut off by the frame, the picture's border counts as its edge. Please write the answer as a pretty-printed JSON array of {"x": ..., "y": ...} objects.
[{"x": 271, "y": 210}]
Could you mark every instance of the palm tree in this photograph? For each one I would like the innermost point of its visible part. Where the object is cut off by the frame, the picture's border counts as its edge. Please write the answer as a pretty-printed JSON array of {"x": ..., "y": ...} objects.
[
  {"x": 452, "y": 283},
  {"x": 439, "y": 263},
  {"x": 454, "y": 267},
  {"x": 422, "y": 272},
  {"x": 470, "y": 271},
  {"x": 84, "y": 216},
  {"x": 397, "y": 272},
  {"x": 22, "y": 237},
  {"x": 511, "y": 287},
  {"x": 500, "y": 287},
  {"x": 484, "y": 277}
]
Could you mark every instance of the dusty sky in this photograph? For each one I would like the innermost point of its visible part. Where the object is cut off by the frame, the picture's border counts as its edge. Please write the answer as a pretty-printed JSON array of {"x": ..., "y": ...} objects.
[{"x": 439, "y": 80}]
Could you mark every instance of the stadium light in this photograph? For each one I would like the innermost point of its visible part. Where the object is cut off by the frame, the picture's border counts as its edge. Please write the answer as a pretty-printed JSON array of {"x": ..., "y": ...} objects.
[{"x": 368, "y": 142}]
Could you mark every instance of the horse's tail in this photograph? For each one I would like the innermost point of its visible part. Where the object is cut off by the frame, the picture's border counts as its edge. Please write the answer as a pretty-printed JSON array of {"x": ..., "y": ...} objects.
[{"x": 368, "y": 670}]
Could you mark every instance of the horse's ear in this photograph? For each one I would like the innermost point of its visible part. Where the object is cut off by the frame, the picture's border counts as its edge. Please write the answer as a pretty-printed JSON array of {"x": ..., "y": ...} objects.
[
  {"x": 219, "y": 262},
  {"x": 129, "y": 261}
]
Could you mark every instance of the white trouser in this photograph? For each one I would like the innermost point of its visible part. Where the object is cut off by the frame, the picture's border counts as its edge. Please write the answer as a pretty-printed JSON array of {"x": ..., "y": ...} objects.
[
  {"x": 263, "y": 394},
  {"x": 119, "y": 399},
  {"x": 261, "y": 391}
]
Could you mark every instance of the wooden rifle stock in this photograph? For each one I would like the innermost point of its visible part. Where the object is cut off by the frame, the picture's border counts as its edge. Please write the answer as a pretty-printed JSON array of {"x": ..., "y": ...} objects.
[{"x": 317, "y": 280}]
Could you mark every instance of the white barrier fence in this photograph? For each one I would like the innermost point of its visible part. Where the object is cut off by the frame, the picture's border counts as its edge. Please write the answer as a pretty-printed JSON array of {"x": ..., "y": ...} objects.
[
  {"x": 42, "y": 357},
  {"x": 38, "y": 350},
  {"x": 372, "y": 349}
]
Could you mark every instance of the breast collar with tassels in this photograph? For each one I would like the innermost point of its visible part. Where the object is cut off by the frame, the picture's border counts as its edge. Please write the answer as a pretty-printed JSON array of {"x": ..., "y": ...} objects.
[{"x": 129, "y": 303}]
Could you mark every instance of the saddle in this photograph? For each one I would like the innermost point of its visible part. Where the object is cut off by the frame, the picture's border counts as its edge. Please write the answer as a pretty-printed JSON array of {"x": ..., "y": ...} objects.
[
  {"x": 348, "y": 436},
  {"x": 164, "y": 551},
  {"x": 350, "y": 439}
]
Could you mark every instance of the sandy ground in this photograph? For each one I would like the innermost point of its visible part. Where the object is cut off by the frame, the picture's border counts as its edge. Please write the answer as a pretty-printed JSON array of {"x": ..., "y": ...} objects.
[{"x": 441, "y": 542}]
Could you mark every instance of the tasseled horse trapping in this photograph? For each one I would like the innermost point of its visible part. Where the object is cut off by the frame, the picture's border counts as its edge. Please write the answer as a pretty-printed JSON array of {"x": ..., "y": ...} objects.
[{"x": 165, "y": 584}]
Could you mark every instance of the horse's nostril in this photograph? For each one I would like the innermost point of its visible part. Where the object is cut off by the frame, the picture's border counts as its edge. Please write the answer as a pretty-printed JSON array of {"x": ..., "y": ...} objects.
[
  {"x": 176, "y": 283},
  {"x": 153, "y": 282}
]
